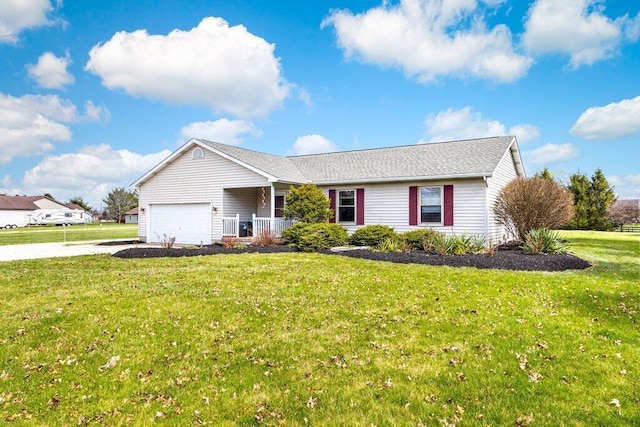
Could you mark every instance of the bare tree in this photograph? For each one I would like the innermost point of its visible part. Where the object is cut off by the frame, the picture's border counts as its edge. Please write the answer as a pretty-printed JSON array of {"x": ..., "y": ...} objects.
[
  {"x": 119, "y": 201},
  {"x": 529, "y": 203},
  {"x": 624, "y": 212}
]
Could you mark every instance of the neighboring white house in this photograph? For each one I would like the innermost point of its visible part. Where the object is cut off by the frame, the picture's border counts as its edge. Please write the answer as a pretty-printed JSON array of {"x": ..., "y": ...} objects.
[
  {"x": 19, "y": 211},
  {"x": 131, "y": 216},
  {"x": 206, "y": 190}
]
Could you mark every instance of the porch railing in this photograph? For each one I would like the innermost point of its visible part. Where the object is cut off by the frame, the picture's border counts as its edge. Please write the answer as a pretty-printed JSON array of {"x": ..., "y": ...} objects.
[
  {"x": 231, "y": 226},
  {"x": 276, "y": 225}
]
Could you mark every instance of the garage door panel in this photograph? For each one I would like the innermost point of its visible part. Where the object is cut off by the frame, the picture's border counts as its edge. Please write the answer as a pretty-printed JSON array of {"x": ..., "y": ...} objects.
[{"x": 188, "y": 223}]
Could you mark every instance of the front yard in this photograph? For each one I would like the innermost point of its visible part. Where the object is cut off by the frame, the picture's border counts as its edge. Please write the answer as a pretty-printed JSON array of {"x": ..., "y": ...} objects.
[
  {"x": 301, "y": 339},
  {"x": 74, "y": 233}
]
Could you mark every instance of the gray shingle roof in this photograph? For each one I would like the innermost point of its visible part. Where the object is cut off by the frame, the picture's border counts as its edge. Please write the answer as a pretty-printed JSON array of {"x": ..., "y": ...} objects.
[
  {"x": 445, "y": 159},
  {"x": 475, "y": 157},
  {"x": 277, "y": 166}
]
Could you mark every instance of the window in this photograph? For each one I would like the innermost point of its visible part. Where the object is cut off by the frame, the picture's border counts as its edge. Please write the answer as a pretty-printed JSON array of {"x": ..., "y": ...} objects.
[
  {"x": 197, "y": 154},
  {"x": 68, "y": 215},
  {"x": 346, "y": 206},
  {"x": 431, "y": 204}
]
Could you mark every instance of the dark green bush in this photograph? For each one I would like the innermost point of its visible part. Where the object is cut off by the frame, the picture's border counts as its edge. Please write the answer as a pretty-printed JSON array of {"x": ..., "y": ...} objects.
[
  {"x": 291, "y": 235},
  {"x": 321, "y": 236},
  {"x": 420, "y": 239},
  {"x": 371, "y": 235}
]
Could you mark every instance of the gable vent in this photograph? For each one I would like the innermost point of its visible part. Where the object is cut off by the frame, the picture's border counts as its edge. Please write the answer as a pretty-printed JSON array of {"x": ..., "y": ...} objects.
[{"x": 197, "y": 153}]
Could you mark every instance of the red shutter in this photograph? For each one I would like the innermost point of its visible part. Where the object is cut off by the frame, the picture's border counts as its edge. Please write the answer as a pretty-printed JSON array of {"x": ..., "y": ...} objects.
[
  {"x": 332, "y": 204},
  {"x": 413, "y": 205},
  {"x": 360, "y": 206},
  {"x": 448, "y": 205}
]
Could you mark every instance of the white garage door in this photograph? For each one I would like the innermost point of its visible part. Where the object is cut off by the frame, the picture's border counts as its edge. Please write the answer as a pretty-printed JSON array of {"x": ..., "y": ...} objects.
[{"x": 188, "y": 223}]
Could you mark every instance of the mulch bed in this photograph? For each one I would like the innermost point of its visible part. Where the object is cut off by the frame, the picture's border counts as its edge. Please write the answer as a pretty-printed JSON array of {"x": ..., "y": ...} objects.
[{"x": 507, "y": 258}]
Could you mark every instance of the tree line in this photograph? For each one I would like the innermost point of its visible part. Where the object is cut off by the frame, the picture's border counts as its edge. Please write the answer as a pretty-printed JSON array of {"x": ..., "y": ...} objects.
[{"x": 595, "y": 204}]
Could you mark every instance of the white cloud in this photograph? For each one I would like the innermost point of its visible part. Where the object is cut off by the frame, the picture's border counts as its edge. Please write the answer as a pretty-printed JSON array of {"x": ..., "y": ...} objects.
[
  {"x": 451, "y": 124},
  {"x": 89, "y": 173},
  {"x": 51, "y": 72},
  {"x": 227, "y": 69},
  {"x": 31, "y": 124},
  {"x": 305, "y": 97},
  {"x": 551, "y": 153},
  {"x": 312, "y": 144},
  {"x": 430, "y": 38},
  {"x": 525, "y": 133},
  {"x": 613, "y": 121},
  {"x": 626, "y": 187},
  {"x": 222, "y": 130},
  {"x": 578, "y": 28},
  {"x": 630, "y": 27},
  {"x": 16, "y": 16},
  {"x": 96, "y": 113}
]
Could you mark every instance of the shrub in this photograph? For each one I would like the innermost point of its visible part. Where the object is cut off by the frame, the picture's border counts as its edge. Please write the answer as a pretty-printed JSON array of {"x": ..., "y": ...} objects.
[
  {"x": 420, "y": 239},
  {"x": 439, "y": 244},
  {"x": 394, "y": 244},
  {"x": 321, "y": 236},
  {"x": 291, "y": 235},
  {"x": 458, "y": 244},
  {"x": 307, "y": 203},
  {"x": 230, "y": 242},
  {"x": 266, "y": 238},
  {"x": 372, "y": 235},
  {"x": 166, "y": 241},
  {"x": 528, "y": 203},
  {"x": 542, "y": 240}
]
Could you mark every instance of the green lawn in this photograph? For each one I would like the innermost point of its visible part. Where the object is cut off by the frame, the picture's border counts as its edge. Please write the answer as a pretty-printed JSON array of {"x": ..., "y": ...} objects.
[
  {"x": 74, "y": 233},
  {"x": 308, "y": 339}
]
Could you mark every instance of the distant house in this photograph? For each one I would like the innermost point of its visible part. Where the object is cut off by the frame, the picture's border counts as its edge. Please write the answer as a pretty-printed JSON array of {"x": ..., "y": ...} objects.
[
  {"x": 15, "y": 211},
  {"x": 206, "y": 190},
  {"x": 19, "y": 211},
  {"x": 131, "y": 216}
]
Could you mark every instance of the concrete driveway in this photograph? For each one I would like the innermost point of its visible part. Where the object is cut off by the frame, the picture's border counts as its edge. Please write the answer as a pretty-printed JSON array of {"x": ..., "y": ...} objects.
[{"x": 53, "y": 250}]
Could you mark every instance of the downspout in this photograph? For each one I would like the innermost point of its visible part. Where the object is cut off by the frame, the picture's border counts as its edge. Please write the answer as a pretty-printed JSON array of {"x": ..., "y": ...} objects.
[{"x": 488, "y": 242}]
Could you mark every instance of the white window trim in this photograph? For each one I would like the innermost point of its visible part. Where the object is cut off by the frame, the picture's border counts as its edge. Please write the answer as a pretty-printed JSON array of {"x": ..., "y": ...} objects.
[
  {"x": 355, "y": 206},
  {"x": 420, "y": 222}
]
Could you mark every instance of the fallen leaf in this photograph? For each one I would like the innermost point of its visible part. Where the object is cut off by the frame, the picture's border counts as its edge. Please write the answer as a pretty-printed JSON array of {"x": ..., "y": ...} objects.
[{"x": 111, "y": 363}]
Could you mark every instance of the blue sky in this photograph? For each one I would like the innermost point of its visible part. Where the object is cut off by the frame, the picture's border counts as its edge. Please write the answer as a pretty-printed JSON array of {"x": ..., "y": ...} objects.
[{"x": 93, "y": 94}]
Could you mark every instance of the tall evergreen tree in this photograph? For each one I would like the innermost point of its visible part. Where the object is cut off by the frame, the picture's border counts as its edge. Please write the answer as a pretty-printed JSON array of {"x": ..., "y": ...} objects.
[
  {"x": 579, "y": 185},
  {"x": 545, "y": 174},
  {"x": 80, "y": 202},
  {"x": 602, "y": 196},
  {"x": 591, "y": 199}
]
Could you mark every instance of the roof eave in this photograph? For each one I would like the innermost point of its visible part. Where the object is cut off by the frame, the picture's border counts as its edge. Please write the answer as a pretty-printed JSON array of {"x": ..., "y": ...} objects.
[{"x": 405, "y": 179}]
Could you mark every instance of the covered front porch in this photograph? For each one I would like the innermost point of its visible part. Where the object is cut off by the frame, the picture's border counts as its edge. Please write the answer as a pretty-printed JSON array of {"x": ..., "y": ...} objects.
[{"x": 253, "y": 211}]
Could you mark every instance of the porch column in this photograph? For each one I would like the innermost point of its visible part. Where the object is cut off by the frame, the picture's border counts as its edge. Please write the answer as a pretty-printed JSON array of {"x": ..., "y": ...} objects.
[{"x": 272, "y": 207}]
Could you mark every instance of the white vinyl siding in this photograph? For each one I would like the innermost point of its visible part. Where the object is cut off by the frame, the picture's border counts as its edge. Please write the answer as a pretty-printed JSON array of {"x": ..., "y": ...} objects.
[
  {"x": 504, "y": 173},
  {"x": 388, "y": 204},
  {"x": 196, "y": 181},
  {"x": 240, "y": 201}
]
